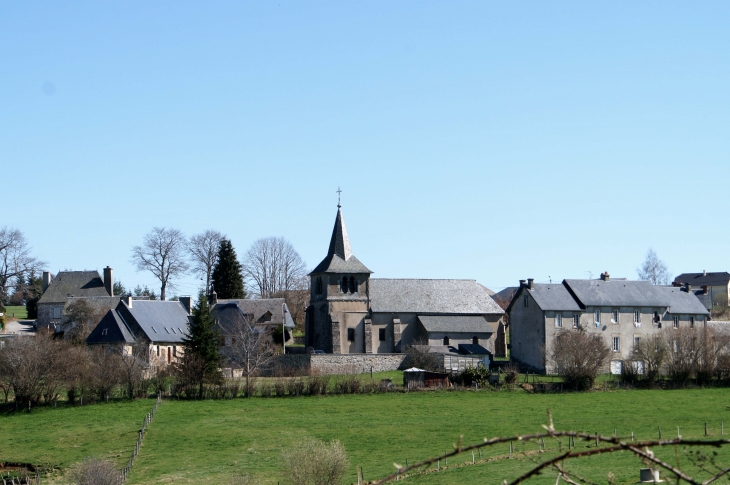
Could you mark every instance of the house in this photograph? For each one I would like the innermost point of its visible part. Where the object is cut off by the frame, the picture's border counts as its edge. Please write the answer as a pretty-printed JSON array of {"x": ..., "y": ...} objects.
[
  {"x": 714, "y": 288},
  {"x": 268, "y": 314},
  {"x": 622, "y": 312},
  {"x": 352, "y": 313},
  {"x": 159, "y": 326},
  {"x": 59, "y": 292}
]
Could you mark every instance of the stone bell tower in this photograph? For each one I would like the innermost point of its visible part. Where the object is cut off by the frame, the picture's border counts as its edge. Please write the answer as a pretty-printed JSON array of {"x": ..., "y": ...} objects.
[{"x": 339, "y": 298}]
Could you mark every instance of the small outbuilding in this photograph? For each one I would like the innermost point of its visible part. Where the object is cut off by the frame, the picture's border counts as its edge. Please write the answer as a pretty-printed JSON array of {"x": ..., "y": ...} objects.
[{"x": 415, "y": 378}]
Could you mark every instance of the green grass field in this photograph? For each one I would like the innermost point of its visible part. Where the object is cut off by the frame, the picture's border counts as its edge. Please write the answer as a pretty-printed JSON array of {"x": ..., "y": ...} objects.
[
  {"x": 209, "y": 441},
  {"x": 18, "y": 312}
]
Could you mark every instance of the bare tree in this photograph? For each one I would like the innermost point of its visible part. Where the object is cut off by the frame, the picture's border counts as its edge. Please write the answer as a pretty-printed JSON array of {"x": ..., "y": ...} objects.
[
  {"x": 654, "y": 270},
  {"x": 16, "y": 260},
  {"x": 273, "y": 266},
  {"x": 96, "y": 471},
  {"x": 579, "y": 357},
  {"x": 133, "y": 364},
  {"x": 652, "y": 351},
  {"x": 203, "y": 249},
  {"x": 250, "y": 348},
  {"x": 419, "y": 354},
  {"x": 163, "y": 254},
  {"x": 81, "y": 317},
  {"x": 315, "y": 462},
  {"x": 297, "y": 300}
]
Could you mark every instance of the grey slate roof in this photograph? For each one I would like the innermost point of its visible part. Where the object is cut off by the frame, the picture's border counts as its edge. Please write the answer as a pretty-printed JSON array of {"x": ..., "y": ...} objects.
[
  {"x": 681, "y": 302},
  {"x": 228, "y": 311},
  {"x": 339, "y": 257},
  {"x": 617, "y": 293},
  {"x": 99, "y": 304},
  {"x": 553, "y": 296},
  {"x": 116, "y": 330},
  {"x": 73, "y": 283},
  {"x": 456, "y": 324},
  {"x": 430, "y": 296},
  {"x": 161, "y": 321},
  {"x": 705, "y": 299},
  {"x": 699, "y": 279},
  {"x": 473, "y": 349}
]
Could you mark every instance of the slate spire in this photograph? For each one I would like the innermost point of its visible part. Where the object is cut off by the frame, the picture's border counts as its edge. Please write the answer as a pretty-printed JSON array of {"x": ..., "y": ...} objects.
[{"x": 340, "y": 243}]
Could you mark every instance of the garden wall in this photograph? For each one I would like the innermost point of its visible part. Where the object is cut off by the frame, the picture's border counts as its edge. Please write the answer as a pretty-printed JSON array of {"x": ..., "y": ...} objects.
[{"x": 334, "y": 363}]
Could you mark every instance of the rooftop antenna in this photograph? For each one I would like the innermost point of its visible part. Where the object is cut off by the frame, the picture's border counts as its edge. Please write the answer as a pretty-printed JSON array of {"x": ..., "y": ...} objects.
[
  {"x": 550, "y": 278},
  {"x": 339, "y": 192}
]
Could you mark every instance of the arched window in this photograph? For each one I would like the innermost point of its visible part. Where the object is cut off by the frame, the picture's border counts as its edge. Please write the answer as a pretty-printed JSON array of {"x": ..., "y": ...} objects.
[
  {"x": 475, "y": 340},
  {"x": 353, "y": 285},
  {"x": 343, "y": 286},
  {"x": 319, "y": 285},
  {"x": 446, "y": 340}
]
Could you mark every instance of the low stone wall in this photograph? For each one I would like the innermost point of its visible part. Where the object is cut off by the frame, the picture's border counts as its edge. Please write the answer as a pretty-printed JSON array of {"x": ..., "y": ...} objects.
[{"x": 293, "y": 364}]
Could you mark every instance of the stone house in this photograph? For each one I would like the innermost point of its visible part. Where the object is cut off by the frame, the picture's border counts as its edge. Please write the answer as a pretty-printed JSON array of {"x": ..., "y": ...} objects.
[
  {"x": 712, "y": 288},
  {"x": 352, "y": 313},
  {"x": 160, "y": 326},
  {"x": 72, "y": 284},
  {"x": 267, "y": 314},
  {"x": 622, "y": 312}
]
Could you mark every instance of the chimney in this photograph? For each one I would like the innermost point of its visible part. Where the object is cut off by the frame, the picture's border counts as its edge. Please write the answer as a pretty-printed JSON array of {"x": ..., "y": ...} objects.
[
  {"x": 46, "y": 280},
  {"x": 605, "y": 276},
  {"x": 213, "y": 297},
  {"x": 704, "y": 289},
  {"x": 187, "y": 302},
  {"x": 128, "y": 300},
  {"x": 109, "y": 280},
  {"x": 530, "y": 282},
  {"x": 688, "y": 287},
  {"x": 522, "y": 283},
  {"x": 704, "y": 272}
]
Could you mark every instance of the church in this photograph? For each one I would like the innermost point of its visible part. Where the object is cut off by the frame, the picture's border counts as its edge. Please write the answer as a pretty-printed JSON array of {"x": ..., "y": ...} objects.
[{"x": 352, "y": 313}]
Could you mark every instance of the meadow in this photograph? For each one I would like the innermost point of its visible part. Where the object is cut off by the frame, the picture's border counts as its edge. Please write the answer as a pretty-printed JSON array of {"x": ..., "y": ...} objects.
[
  {"x": 17, "y": 312},
  {"x": 193, "y": 441}
]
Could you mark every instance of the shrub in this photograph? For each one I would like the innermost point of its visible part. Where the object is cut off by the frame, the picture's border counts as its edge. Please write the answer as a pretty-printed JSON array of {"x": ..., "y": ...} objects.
[
  {"x": 419, "y": 355},
  {"x": 316, "y": 385},
  {"x": 96, "y": 471},
  {"x": 511, "y": 374},
  {"x": 478, "y": 374},
  {"x": 315, "y": 462},
  {"x": 266, "y": 388},
  {"x": 578, "y": 357},
  {"x": 348, "y": 384},
  {"x": 280, "y": 386}
]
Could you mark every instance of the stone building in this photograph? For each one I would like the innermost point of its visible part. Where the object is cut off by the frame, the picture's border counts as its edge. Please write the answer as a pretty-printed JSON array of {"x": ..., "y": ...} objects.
[
  {"x": 352, "y": 313},
  {"x": 266, "y": 314},
  {"x": 622, "y": 312},
  {"x": 58, "y": 292},
  {"x": 713, "y": 289}
]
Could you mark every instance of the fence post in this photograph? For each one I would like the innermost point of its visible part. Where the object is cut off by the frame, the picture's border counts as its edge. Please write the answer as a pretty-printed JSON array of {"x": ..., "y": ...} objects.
[
  {"x": 705, "y": 428},
  {"x": 660, "y": 431}
]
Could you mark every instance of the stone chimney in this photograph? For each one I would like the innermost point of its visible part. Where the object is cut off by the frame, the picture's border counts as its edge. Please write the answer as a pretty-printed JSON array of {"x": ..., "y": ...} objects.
[
  {"x": 523, "y": 283},
  {"x": 605, "y": 276},
  {"x": 187, "y": 302},
  {"x": 46, "y": 280},
  {"x": 530, "y": 283},
  {"x": 688, "y": 287},
  {"x": 212, "y": 297},
  {"x": 128, "y": 300},
  {"x": 704, "y": 289},
  {"x": 109, "y": 280},
  {"x": 704, "y": 272}
]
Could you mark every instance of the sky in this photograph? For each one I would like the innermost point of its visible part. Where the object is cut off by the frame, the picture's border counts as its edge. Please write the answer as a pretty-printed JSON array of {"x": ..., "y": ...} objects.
[{"x": 494, "y": 141}]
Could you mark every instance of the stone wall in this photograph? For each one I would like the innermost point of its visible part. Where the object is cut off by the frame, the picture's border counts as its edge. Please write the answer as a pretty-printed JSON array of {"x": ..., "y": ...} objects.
[{"x": 293, "y": 364}]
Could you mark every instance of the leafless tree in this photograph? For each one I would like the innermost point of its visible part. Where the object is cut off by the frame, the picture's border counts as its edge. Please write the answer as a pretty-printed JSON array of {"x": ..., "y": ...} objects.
[
  {"x": 203, "y": 249},
  {"x": 653, "y": 269},
  {"x": 105, "y": 372},
  {"x": 297, "y": 300},
  {"x": 652, "y": 351},
  {"x": 81, "y": 318},
  {"x": 682, "y": 355},
  {"x": 419, "y": 355},
  {"x": 96, "y": 471},
  {"x": 163, "y": 254},
  {"x": 16, "y": 260},
  {"x": 579, "y": 357},
  {"x": 315, "y": 462},
  {"x": 273, "y": 266},
  {"x": 250, "y": 348},
  {"x": 133, "y": 364}
]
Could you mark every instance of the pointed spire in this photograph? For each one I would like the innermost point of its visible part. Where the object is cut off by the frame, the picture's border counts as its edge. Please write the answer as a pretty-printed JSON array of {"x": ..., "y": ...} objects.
[{"x": 340, "y": 243}]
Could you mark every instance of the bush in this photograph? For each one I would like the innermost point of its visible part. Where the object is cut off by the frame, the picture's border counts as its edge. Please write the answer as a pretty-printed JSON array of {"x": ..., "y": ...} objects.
[
  {"x": 419, "y": 355},
  {"x": 511, "y": 374},
  {"x": 280, "y": 386},
  {"x": 578, "y": 357},
  {"x": 470, "y": 375},
  {"x": 266, "y": 389},
  {"x": 315, "y": 462},
  {"x": 96, "y": 471},
  {"x": 316, "y": 385},
  {"x": 348, "y": 384}
]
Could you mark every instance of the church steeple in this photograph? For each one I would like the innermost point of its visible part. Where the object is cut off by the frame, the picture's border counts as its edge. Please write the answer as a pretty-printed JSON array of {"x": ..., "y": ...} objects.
[
  {"x": 340, "y": 243},
  {"x": 339, "y": 257}
]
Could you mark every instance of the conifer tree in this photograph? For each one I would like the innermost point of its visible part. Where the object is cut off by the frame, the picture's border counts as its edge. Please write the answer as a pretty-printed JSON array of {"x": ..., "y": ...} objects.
[
  {"x": 202, "y": 342},
  {"x": 227, "y": 274}
]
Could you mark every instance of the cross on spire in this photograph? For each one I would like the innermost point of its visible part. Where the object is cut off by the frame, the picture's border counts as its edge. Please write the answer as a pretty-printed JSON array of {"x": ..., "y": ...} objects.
[{"x": 339, "y": 192}]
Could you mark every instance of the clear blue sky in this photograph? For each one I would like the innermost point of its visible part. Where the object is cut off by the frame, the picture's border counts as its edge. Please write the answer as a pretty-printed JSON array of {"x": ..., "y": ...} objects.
[{"x": 487, "y": 140}]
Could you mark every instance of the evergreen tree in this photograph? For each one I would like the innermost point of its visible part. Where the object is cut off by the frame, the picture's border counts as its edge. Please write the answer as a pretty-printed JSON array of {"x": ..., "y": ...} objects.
[
  {"x": 227, "y": 274},
  {"x": 203, "y": 339},
  {"x": 32, "y": 292}
]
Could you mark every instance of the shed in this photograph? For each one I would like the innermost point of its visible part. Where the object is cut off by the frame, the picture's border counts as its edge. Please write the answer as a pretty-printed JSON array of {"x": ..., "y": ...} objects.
[{"x": 415, "y": 378}]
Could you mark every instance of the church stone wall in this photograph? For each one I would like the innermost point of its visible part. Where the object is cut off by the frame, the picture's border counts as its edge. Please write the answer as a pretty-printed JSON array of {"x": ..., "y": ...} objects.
[{"x": 329, "y": 364}]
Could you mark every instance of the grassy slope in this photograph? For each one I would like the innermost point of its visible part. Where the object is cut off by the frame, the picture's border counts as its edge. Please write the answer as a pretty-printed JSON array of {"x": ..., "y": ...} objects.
[{"x": 211, "y": 440}]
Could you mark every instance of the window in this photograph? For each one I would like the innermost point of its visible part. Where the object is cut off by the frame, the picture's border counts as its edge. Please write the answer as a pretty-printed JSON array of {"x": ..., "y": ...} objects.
[
  {"x": 675, "y": 322},
  {"x": 576, "y": 321},
  {"x": 446, "y": 340},
  {"x": 158, "y": 351},
  {"x": 617, "y": 344},
  {"x": 527, "y": 301},
  {"x": 598, "y": 317},
  {"x": 676, "y": 345},
  {"x": 103, "y": 332},
  {"x": 381, "y": 334},
  {"x": 56, "y": 312},
  {"x": 319, "y": 285},
  {"x": 174, "y": 350},
  {"x": 691, "y": 322},
  {"x": 351, "y": 334},
  {"x": 637, "y": 316},
  {"x": 353, "y": 285},
  {"x": 169, "y": 355},
  {"x": 343, "y": 286},
  {"x": 558, "y": 320},
  {"x": 475, "y": 340},
  {"x": 614, "y": 316},
  {"x": 637, "y": 341}
]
